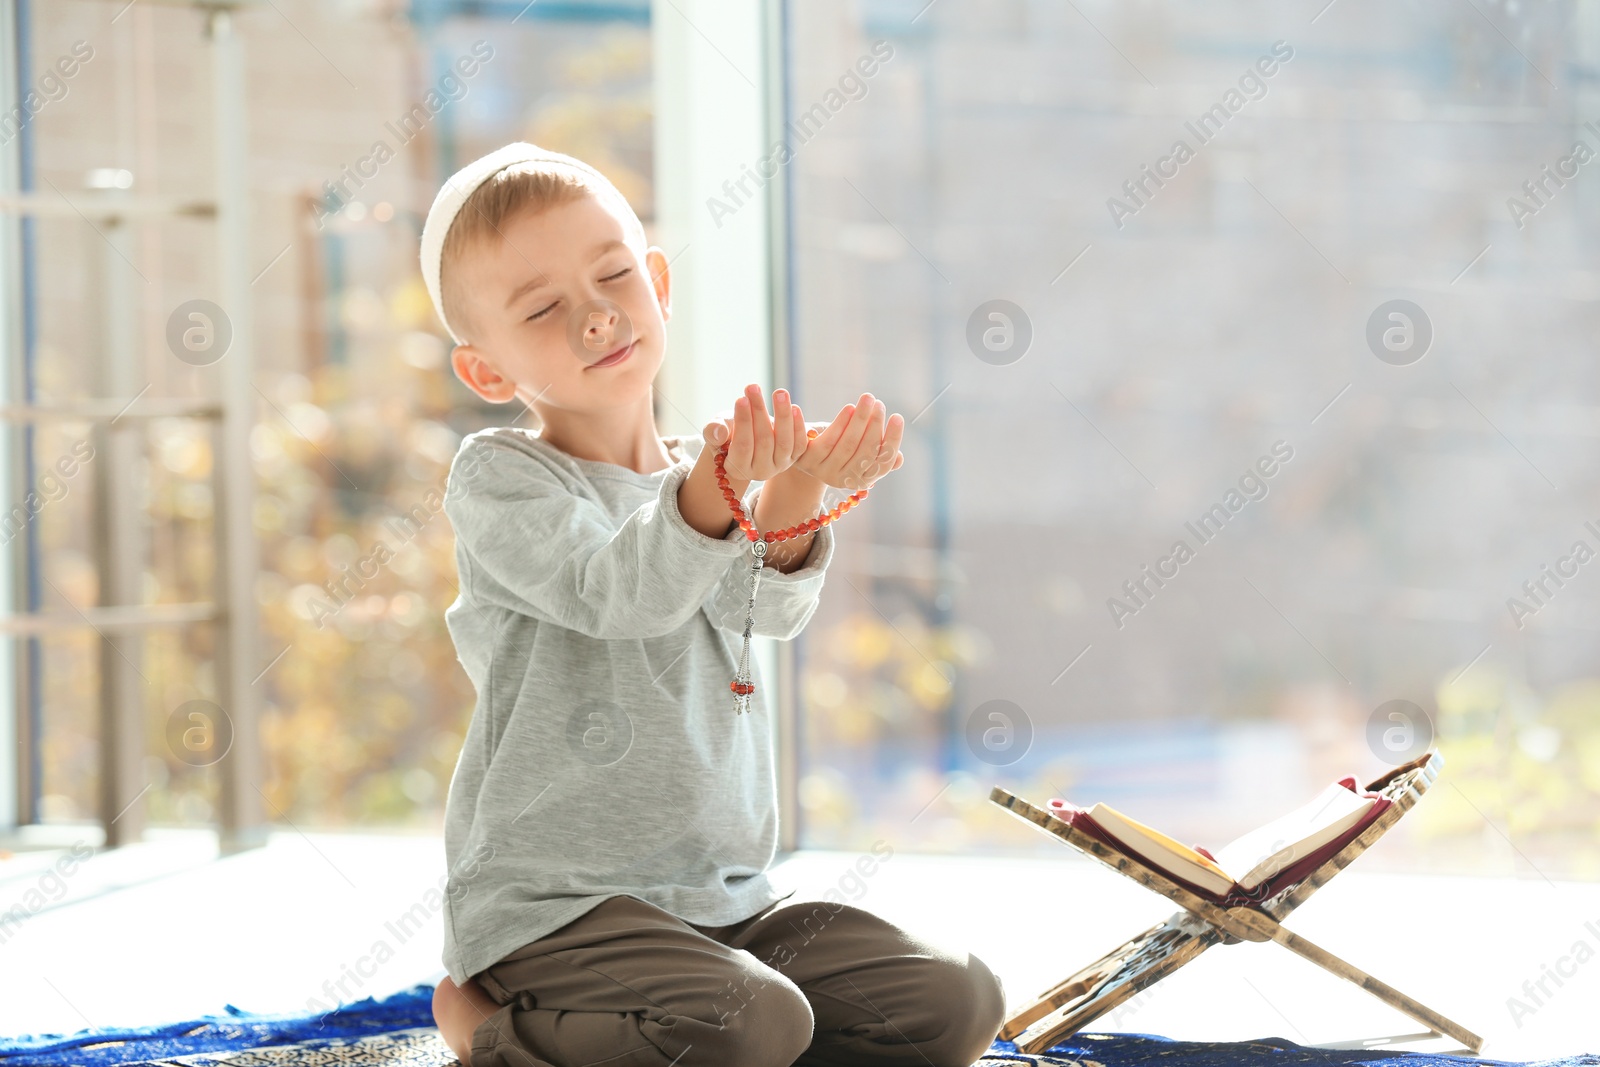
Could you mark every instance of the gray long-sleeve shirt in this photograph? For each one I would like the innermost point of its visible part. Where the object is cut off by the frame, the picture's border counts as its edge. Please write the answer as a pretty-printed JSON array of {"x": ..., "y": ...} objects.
[{"x": 604, "y": 757}]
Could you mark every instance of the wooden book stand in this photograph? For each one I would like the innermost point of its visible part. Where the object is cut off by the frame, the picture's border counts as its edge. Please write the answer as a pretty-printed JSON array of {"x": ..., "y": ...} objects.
[{"x": 1068, "y": 1006}]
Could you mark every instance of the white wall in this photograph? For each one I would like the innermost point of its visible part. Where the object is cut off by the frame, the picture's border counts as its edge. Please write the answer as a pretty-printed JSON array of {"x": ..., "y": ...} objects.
[
  {"x": 709, "y": 126},
  {"x": 712, "y": 125}
]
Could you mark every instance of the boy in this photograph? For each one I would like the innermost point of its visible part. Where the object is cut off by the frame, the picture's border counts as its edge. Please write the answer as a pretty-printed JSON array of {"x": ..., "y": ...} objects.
[{"x": 610, "y": 820}]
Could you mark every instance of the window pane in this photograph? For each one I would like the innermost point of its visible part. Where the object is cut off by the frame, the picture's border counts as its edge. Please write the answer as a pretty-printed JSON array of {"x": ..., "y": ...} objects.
[
  {"x": 359, "y": 413},
  {"x": 1193, "y": 519}
]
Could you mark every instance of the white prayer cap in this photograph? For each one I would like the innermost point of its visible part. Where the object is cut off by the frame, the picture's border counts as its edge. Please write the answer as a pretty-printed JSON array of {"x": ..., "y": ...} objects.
[{"x": 460, "y": 185}]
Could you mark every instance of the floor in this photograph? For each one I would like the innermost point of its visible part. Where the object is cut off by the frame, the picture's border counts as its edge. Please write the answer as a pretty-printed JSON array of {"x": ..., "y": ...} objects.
[{"x": 164, "y": 930}]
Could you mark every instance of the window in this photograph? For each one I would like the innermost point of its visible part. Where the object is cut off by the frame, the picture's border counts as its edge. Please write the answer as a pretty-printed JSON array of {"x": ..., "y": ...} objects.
[
  {"x": 358, "y": 412},
  {"x": 1200, "y": 346}
]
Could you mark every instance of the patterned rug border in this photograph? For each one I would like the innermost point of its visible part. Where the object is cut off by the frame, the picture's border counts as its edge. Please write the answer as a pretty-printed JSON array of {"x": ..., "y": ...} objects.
[{"x": 399, "y": 1030}]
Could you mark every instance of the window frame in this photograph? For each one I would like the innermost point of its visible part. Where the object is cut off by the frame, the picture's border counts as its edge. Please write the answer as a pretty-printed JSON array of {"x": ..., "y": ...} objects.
[{"x": 721, "y": 89}]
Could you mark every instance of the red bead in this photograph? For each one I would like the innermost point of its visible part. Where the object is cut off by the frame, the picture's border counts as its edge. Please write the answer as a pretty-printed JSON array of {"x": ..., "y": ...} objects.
[{"x": 803, "y": 529}]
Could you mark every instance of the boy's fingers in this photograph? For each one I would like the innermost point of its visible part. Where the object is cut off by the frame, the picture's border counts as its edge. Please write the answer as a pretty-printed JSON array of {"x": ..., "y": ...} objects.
[
  {"x": 782, "y": 425},
  {"x": 760, "y": 425},
  {"x": 739, "y": 452},
  {"x": 872, "y": 442},
  {"x": 801, "y": 441},
  {"x": 854, "y": 434},
  {"x": 896, "y": 432},
  {"x": 873, "y": 465},
  {"x": 797, "y": 433},
  {"x": 876, "y": 468},
  {"x": 715, "y": 432},
  {"x": 890, "y": 448},
  {"x": 828, "y": 438},
  {"x": 879, "y": 473}
]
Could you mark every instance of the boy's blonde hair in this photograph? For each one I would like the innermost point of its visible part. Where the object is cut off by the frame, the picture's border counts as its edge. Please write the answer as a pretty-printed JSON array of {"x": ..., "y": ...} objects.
[{"x": 530, "y": 185}]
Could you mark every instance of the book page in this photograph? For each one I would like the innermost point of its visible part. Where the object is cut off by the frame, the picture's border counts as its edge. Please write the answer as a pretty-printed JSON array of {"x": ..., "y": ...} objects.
[
  {"x": 1162, "y": 851},
  {"x": 1265, "y": 851}
]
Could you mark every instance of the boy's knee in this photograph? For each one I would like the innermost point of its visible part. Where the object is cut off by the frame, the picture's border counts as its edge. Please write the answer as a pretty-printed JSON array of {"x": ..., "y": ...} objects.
[
  {"x": 771, "y": 1028},
  {"x": 970, "y": 1004},
  {"x": 458, "y": 1011}
]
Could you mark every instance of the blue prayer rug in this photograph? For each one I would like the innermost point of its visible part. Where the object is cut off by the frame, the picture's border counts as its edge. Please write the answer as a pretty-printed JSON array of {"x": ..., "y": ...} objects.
[{"x": 399, "y": 1032}]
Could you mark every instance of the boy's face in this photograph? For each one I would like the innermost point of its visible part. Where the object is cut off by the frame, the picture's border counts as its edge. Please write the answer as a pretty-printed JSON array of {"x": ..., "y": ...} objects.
[{"x": 564, "y": 310}]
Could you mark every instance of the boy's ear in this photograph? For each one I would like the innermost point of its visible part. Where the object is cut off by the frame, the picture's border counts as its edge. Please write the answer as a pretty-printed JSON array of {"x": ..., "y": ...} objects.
[
  {"x": 661, "y": 278},
  {"x": 479, "y": 375}
]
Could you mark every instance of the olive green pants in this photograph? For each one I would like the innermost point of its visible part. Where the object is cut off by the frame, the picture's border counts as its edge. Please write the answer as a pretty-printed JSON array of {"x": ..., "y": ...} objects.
[{"x": 806, "y": 983}]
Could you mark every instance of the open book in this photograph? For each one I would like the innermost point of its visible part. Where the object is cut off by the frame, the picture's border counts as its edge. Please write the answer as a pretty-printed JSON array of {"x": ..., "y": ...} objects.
[{"x": 1252, "y": 868}]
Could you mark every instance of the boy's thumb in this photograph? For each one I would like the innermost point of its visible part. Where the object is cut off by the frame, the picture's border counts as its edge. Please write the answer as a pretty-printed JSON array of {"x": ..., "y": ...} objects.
[{"x": 716, "y": 432}]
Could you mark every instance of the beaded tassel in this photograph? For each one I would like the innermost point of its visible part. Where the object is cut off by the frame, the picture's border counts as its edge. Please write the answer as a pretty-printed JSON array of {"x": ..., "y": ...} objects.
[{"x": 742, "y": 685}]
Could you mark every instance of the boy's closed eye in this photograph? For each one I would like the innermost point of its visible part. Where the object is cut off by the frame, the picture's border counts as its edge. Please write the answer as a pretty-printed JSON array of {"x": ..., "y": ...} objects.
[{"x": 618, "y": 276}]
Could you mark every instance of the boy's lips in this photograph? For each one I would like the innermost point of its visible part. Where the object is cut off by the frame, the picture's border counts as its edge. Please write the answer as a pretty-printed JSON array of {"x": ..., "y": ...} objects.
[{"x": 616, "y": 357}]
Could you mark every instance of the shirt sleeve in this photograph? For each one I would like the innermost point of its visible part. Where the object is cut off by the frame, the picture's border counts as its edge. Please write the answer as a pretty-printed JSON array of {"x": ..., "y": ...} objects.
[
  {"x": 784, "y": 602},
  {"x": 533, "y": 546}
]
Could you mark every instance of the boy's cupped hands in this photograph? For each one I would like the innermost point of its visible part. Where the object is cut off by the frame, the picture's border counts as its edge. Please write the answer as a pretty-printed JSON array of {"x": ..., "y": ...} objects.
[{"x": 853, "y": 451}]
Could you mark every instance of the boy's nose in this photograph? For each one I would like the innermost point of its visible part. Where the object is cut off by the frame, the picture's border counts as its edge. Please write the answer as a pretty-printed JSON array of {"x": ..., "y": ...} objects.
[{"x": 598, "y": 328}]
